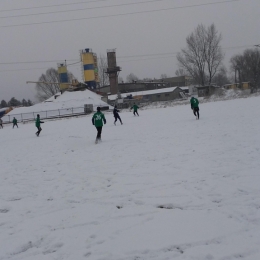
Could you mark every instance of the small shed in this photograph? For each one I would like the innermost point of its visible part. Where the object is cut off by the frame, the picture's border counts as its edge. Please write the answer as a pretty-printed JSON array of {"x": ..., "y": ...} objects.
[{"x": 204, "y": 91}]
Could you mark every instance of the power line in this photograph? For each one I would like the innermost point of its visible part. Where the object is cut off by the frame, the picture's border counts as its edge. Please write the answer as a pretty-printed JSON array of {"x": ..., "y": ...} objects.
[
  {"x": 48, "y": 6},
  {"x": 171, "y": 53},
  {"x": 73, "y": 63},
  {"x": 24, "y": 62},
  {"x": 81, "y": 9},
  {"x": 119, "y": 57},
  {"x": 122, "y": 14}
]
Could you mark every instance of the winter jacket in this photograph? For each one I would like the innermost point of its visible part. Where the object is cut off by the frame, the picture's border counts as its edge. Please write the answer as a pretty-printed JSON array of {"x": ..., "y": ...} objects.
[
  {"x": 194, "y": 102},
  {"x": 115, "y": 112},
  {"x": 38, "y": 122},
  {"x": 14, "y": 121},
  {"x": 135, "y": 107},
  {"x": 98, "y": 119}
]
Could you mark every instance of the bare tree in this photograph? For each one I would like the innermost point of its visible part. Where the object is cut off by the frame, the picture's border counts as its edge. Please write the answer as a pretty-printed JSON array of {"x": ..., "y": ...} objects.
[
  {"x": 147, "y": 79},
  {"x": 203, "y": 55},
  {"x": 221, "y": 78},
  {"x": 46, "y": 90},
  {"x": 131, "y": 78},
  {"x": 181, "y": 72},
  {"x": 214, "y": 54},
  {"x": 102, "y": 67},
  {"x": 247, "y": 67},
  {"x": 120, "y": 80},
  {"x": 163, "y": 76}
]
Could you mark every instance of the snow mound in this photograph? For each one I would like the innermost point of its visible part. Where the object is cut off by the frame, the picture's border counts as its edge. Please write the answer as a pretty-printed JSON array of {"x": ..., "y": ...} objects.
[{"x": 66, "y": 100}]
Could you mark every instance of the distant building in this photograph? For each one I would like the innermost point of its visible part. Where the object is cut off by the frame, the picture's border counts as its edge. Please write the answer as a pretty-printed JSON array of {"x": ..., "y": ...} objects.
[
  {"x": 150, "y": 85},
  {"x": 165, "y": 94},
  {"x": 204, "y": 91},
  {"x": 243, "y": 86}
]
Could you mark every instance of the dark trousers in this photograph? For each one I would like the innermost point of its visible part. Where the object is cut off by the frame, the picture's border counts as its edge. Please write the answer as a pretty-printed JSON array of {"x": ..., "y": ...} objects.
[
  {"x": 196, "y": 112},
  {"x": 99, "y": 131},
  {"x": 15, "y": 124},
  {"x": 1, "y": 125},
  {"x": 118, "y": 117},
  {"x": 39, "y": 130},
  {"x": 136, "y": 113}
]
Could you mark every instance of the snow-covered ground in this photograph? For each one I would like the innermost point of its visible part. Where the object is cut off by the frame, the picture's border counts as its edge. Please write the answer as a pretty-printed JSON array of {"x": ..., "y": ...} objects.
[{"x": 161, "y": 186}]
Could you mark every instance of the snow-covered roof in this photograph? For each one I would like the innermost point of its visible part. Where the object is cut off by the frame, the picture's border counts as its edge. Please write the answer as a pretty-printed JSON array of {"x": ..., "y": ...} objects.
[{"x": 143, "y": 93}]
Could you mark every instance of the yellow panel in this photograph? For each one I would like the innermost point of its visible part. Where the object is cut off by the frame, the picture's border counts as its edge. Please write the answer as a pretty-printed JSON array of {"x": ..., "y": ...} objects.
[
  {"x": 245, "y": 85},
  {"x": 63, "y": 86},
  {"x": 62, "y": 70},
  {"x": 87, "y": 58},
  {"x": 89, "y": 75}
]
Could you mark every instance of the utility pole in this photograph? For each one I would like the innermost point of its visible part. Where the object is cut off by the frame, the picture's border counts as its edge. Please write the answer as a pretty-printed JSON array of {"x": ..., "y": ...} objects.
[{"x": 257, "y": 45}]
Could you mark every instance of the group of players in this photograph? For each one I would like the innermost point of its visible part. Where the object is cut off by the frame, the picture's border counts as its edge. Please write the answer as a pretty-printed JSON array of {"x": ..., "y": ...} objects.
[{"x": 99, "y": 118}]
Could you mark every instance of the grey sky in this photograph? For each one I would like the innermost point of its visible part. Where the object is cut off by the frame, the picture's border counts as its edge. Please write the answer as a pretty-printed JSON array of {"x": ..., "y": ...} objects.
[{"x": 145, "y": 42}]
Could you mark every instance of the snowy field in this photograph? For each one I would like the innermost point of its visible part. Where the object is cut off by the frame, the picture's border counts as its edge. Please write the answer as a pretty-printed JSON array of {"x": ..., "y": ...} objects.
[{"x": 161, "y": 186}]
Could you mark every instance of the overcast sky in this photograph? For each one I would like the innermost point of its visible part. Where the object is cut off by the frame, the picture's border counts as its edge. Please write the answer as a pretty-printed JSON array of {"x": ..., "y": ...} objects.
[{"x": 147, "y": 34}]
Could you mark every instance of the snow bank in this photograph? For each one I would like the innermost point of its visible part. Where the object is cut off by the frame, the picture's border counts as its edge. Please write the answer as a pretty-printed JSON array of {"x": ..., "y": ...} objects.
[{"x": 66, "y": 100}]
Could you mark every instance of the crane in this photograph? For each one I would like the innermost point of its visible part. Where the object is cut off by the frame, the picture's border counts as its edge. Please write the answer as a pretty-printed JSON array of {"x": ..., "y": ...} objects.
[{"x": 74, "y": 83}]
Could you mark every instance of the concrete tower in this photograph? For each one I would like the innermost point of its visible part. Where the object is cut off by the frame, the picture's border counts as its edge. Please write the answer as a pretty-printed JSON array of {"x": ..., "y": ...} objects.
[{"x": 112, "y": 71}]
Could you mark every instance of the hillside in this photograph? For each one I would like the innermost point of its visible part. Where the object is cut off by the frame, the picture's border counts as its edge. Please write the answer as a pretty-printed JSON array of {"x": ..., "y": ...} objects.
[{"x": 160, "y": 186}]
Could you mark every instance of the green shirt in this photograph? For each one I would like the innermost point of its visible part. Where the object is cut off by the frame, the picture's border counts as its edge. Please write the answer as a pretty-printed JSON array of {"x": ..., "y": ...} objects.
[
  {"x": 194, "y": 102},
  {"x": 14, "y": 121},
  {"x": 135, "y": 107},
  {"x": 98, "y": 119},
  {"x": 38, "y": 122}
]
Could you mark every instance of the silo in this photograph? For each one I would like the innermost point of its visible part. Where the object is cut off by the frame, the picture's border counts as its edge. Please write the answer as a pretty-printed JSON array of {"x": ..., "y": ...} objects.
[
  {"x": 88, "y": 65},
  {"x": 63, "y": 76}
]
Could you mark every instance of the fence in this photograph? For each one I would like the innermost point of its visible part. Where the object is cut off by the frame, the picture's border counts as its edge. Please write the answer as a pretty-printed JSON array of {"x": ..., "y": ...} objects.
[{"x": 48, "y": 114}]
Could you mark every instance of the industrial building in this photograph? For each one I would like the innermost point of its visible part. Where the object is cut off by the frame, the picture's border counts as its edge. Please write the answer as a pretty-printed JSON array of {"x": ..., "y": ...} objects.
[
  {"x": 148, "y": 85},
  {"x": 127, "y": 99}
]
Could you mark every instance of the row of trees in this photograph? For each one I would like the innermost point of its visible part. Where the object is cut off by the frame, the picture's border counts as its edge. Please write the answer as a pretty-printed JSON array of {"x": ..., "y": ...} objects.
[
  {"x": 246, "y": 66},
  {"x": 202, "y": 59},
  {"x": 13, "y": 102}
]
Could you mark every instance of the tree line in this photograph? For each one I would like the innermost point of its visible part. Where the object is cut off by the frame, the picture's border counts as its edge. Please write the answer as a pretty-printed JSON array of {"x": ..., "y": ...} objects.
[
  {"x": 13, "y": 102},
  {"x": 202, "y": 59}
]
